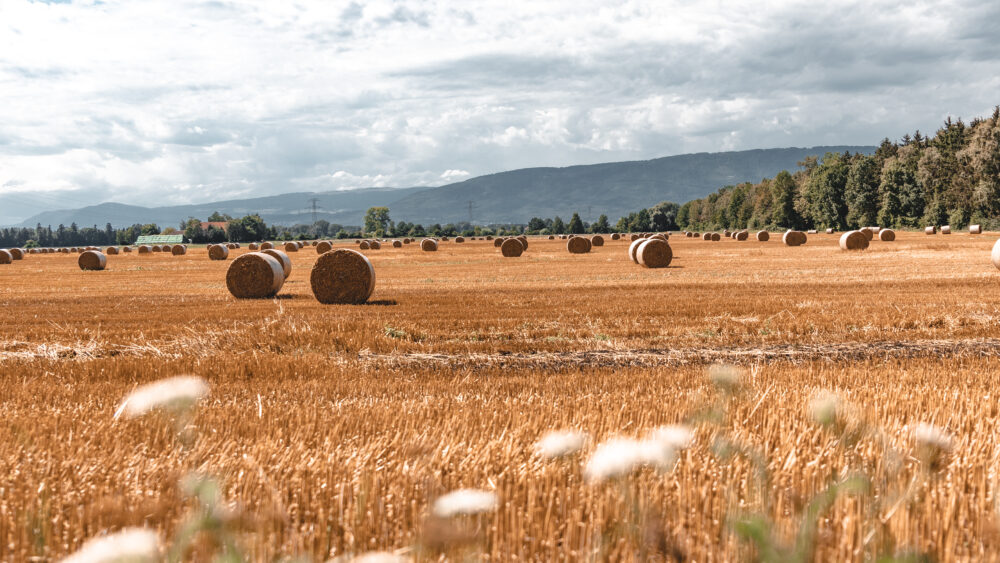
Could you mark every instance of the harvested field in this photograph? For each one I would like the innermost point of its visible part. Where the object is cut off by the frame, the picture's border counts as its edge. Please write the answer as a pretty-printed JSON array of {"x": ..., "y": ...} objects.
[{"x": 334, "y": 427}]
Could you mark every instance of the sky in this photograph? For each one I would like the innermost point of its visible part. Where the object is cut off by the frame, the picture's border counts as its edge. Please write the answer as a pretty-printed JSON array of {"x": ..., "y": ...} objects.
[{"x": 166, "y": 102}]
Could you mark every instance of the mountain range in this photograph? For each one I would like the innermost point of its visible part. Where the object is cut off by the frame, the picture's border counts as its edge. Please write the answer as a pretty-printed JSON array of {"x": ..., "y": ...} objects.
[{"x": 515, "y": 196}]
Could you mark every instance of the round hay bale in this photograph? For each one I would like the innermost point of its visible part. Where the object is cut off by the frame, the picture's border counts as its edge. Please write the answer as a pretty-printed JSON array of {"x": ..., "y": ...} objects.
[
  {"x": 236, "y": 245},
  {"x": 92, "y": 260},
  {"x": 178, "y": 250},
  {"x": 33, "y": 251},
  {"x": 511, "y": 248},
  {"x": 727, "y": 233},
  {"x": 634, "y": 248},
  {"x": 255, "y": 275},
  {"x": 157, "y": 248},
  {"x": 343, "y": 277},
  {"x": 111, "y": 251},
  {"x": 459, "y": 239},
  {"x": 428, "y": 245},
  {"x": 145, "y": 249},
  {"x": 868, "y": 233},
  {"x": 716, "y": 237},
  {"x": 365, "y": 245},
  {"x": 489, "y": 237},
  {"x": 706, "y": 236},
  {"x": 324, "y": 247},
  {"x": 742, "y": 235},
  {"x": 633, "y": 237},
  {"x": 578, "y": 245},
  {"x": 887, "y": 235},
  {"x": 314, "y": 243},
  {"x": 266, "y": 245},
  {"x": 975, "y": 229},
  {"x": 945, "y": 229},
  {"x": 524, "y": 241},
  {"x": 17, "y": 253},
  {"x": 615, "y": 236},
  {"x": 375, "y": 245},
  {"x": 811, "y": 231},
  {"x": 660, "y": 236},
  {"x": 254, "y": 246},
  {"x": 995, "y": 256},
  {"x": 5, "y": 257},
  {"x": 853, "y": 240},
  {"x": 218, "y": 252},
  {"x": 654, "y": 253},
  {"x": 292, "y": 246},
  {"x": 127, "y": 249},
  {"x": 830, "y": 231},
  {"x": 282, "y": 258},
  {"x": 597, "y": 240},
  {"x": 397, "y": 244},
  {"x": 930, "y": 230},
  {"x": 552, "y": 237},
  {"x": 498, "y": 242},
  {"x": 794, "y": 238}
]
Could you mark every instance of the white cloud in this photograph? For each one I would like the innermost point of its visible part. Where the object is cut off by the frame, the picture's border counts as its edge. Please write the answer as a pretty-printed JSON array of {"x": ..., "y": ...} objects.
[{"x": 163, "y": 101}]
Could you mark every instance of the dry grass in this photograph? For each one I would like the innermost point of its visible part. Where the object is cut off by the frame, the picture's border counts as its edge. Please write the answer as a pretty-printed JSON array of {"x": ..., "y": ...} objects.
[{"x": 334, "y": 427}]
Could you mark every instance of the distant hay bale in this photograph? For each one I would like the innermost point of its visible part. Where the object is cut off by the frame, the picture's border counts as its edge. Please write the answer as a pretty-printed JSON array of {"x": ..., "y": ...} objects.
[
  {"x": 111, "y": 251},
  {"x": 830, "y": 231},
  {"x": 342, "y": 277},
  {"x": 688, "y": 234},
  {"x": 654, "y": 253},
  {"x": 975, "y": 229},
  {"x": 178, "y": 250},
  {"x": 524, "y": 241},
  {"x": 634, "y": 248},
  {"x": 995, "y": 256},
  {"x": 218, "y": 252},
  {"x": 660, "y": 236},
  {"x": 497, "y": 242},
  {"x": 489, "y": 237},
  {"x": 314, "y": 243},
  {"x": 254, "y": 246},
  {"x": 324, "y": 246},
  {"x": 932, "y": 230},
  {"x": 17, "y": 253},
  {"x": 33, "y": 251},
  {"x": 291, "y": 247},
  {"x": 634, "y": 236},
  {"x": 429, "y": 245},
  {"x": 236, "y": 245},
  {"x": 92, "y": 260},
  {"x": 397, "y": 244},
  {"x": 578, "y": 245},
  {"x": 853, "y": 240},
  {"x": 5, "y": 257},
  {"x": 282, "y": 258},
  {"x": 811, "y": 231},
  {"x": 742, "y": 235},
  {"x": 763, "y": 236},
  {"x": 552, "y": 237},
  {"x": 266, "y": 245},
  {"x": 459, "y": 239},
  {"x": 868, "y": 233},
  {"x": 727, "y": 233},
  {"x": 255, "y": 275},
  {"x": 145, "y": 249},
  {"x": 375, "y": 245},
  {"x": 597, "y": 240},
  {"x": 127, "y": 249},
  {"x": 615, "y": 236},
  {"x": 157, "y": 248},
  {"x": 511, "y": 248},
  {"x": 706, "y": 236},
  {"x": 945, "y": 229},
  {"x": 716, "y": 237},
  {"x": 887, "y": 235},
  {"x": 794, "y": 238},
  {"x": 364, "y": 245}
]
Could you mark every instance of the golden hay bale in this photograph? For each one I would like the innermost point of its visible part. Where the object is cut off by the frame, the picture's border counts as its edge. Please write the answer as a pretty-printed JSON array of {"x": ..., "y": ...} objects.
[
  {"x": 127, "y": 249},
  {"x": 282, "y": 258},
  {"x": 688, "y": 234},
  {"x": 444, "y": 239},
  {"x": 157, "y": 248},
  {"x": 324, "y": 246},
  {"x": 524, "y": 241},
  {"x": 727, "y": 233},
  {"x": 111, "y": 251},
  {"x": 17, "y": 253},
  {"x": 178, "y": 250},
  {"x": 830, "y": 231},
  {"x": 428, "y": 245},
  {"x": 511, "y": 248},
  {"x": 291, "y": 247},
  {"x": 255, "y": 275},
  {"x": 552, "y": 237},
  {"x": 92, "y": 260},
  {"x": 742, "y": 235},
  {"x": 853, "y": 240},
  {"x": 266, "y": 245},
  {"x": 633, "y": 237},
  {"x": 716, "y": 237},
  {"x": 867, "y": 232},
  {"x": 342, "y": 277},
  {"x": 654, "y": 253},
  {"x": 578, "y": 245},
  {"x": 218, "y": 252},
  {"x": 660, "y": 236},
  {"x": 497, "y": 242},
  {"x": 254, "y": 246},
  {"x": 5, "y": 257},
  {"x": 397, "y": 244},
  {"x": 365, "y": 245},
  {"x": 314, "y": 243},
  {"x": 145, "y": 249},
  {"x": 811, "y": 231},
  {"x": 975, "y": 229},
  {"x": 706, "y": 236},
  {"x": 459, "y": 239},
  {"x": 634, "y": 248},
  {"x": 33, "y": 251},
  {"x": 615, "y": 236},
  {"x": 597, "y": 240},
  {"x": 887, "y": 235},
  {"x": 932, "y": 230},
  {"x": 794, "y": 238},
  {"x": 945, "y": 229},
  {"x": 489, "y": 237},
  {"x": 375, "y": 245},
  {"x": 995, "y": 256}
]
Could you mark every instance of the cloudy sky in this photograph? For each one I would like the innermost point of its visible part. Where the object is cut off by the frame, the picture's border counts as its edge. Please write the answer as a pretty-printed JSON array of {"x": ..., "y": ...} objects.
[{"x": 156, "y": 102}]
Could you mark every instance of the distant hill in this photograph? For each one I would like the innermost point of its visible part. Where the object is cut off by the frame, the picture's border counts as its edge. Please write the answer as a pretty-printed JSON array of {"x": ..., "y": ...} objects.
[
  {"x": 345, "y": 207},
  {"x": 614, "y": 189}
]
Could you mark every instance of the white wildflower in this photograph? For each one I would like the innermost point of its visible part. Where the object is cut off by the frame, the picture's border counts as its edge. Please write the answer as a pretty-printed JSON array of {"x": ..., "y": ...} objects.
[
  {"x": 172, "y": 393},
  {"x": 824, "y": 408},
  {"x": 621, "y": 456},
  {"x": 560, "y": 444},
  {"x": 465, "y": 501},
  {"x": 132, "y": 545},
  {"x": 676, "y": 436}
]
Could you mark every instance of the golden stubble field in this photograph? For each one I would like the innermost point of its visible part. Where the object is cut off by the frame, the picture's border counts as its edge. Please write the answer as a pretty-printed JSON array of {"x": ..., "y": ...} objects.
[{"x": 333, "y": 428}]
